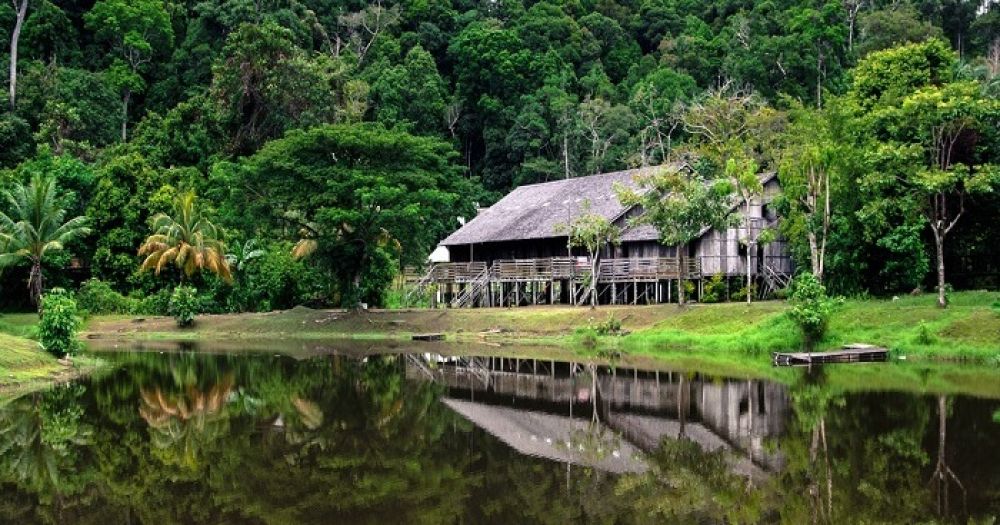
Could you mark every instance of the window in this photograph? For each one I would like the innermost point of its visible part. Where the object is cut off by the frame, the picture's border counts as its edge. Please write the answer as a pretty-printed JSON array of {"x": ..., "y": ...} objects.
[{"x": 768, "y": 212}]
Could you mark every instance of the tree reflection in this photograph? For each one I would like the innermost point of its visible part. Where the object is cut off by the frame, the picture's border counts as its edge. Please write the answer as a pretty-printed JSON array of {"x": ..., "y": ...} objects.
[
  {"x": 686, "y": 484},
  {"x": 189, "y": 438},
  {"x": 943, "y": 474},
  {"x": 40, "y": 439},
  {"x": 178, "y": 421}
]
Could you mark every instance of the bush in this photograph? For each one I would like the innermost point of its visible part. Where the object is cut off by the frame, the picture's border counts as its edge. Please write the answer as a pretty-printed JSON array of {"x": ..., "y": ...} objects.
[
  {"x": 924, "y": 335},
  {"x": 741, "y": 294},
  {"x": 274, "y": 280},
  {"x": 155, "y": 304},
  {"x": 811, "y": 308},
  {"x": 184, "y": 305},
  {"x": 689, "y": 289},
  {"x": 714, "y": 289},
  {"x": 97, "y": 297},
  {"x": 611, "y": 326},
  {"x": 60, "y": 322}
]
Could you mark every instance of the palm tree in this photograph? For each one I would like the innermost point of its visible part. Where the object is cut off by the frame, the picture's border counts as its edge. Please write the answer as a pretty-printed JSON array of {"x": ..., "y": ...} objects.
[
  {"x": 33, "y": 226},
  {"x": 188, "y": 240}
]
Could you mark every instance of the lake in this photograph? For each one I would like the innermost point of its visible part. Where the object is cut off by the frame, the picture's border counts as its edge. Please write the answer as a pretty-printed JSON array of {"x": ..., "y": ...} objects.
[{"x": 217, "y": 436}]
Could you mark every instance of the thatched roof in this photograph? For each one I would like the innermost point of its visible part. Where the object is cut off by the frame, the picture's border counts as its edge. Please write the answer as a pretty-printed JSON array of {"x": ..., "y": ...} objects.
[{"x": 534, "y": 211}]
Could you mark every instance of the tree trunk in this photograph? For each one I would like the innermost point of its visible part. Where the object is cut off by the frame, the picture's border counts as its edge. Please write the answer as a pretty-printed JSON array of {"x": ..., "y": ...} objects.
[
  {"x": 939, "y": 246},
  {"x": 594, "y": 269},
  {"x": 680, "y": 273},
  {"x": 35, "y": 285},
  {"x": 125, "y": 101},
  {"x": 749, "y": 244},
  {"x": 20, "y": 12}
]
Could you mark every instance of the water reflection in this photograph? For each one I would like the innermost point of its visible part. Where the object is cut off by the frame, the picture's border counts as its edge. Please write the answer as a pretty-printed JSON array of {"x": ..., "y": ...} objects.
[
  {"x": 539, "y": 407},
  {"x": 194, "y": 438}
]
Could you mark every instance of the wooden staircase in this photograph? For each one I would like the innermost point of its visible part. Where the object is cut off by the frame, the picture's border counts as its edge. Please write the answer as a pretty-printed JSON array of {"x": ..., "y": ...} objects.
[
  {"x": 476, "y": 291},
  {"x": 773, "y": 281}
]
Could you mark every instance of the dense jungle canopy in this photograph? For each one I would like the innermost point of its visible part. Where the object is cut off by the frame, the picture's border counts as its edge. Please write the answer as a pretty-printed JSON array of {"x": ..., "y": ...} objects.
[{"x": 357, "y": 132}]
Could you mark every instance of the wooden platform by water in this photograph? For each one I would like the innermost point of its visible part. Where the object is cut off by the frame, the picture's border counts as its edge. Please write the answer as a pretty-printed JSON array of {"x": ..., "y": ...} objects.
[
  {"x": 428, "y": 337},
  {"x": 854, "y": 353}
]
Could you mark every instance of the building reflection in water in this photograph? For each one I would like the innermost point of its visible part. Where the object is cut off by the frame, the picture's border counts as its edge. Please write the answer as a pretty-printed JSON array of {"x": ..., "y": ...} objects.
[{"x": 606, "y": 417}]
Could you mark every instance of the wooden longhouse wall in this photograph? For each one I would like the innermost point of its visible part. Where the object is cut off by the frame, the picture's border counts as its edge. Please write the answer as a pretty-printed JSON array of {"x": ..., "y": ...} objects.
[
  {"x": 515, "y": 253},
  {"x": 722, "y": 253}
]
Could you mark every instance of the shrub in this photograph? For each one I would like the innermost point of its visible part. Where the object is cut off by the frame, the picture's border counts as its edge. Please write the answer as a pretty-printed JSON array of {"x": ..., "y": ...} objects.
[
  {"x": 98, "y": 297},
  {"x": 924, "y": 335},
  {"x": 714, "y": 289},
  {"x": 741, "y": 294},
  {"x": 154, "y": 304},
  {"x": 611, "y": 326},
  {"x": 184, "y": 304},
  {"x": 811, "y": 308},
  {"x": 60, "y": 322},
  {"x": 688, "y": 289}
]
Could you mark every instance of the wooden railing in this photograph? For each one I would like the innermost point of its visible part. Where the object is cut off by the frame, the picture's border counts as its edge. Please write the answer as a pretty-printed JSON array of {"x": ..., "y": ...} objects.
[
  {"x": 558, "y": 268},
  {"x": 646, "y": 269},
  {"x": 457, "y": 272},
  {"x": 547, "y": 269}
]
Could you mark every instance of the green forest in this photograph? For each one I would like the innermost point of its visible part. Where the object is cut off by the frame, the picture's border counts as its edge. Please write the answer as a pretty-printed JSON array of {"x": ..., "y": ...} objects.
[{"x": 272, "y": 153}]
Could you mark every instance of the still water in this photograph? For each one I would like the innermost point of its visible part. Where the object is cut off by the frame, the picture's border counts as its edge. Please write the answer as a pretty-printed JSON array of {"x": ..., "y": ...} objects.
[{"x": 191, "y": 438}]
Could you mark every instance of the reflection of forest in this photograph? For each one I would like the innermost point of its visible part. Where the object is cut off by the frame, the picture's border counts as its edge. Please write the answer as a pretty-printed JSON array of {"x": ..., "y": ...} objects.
[{"x": 187, "y": 438}]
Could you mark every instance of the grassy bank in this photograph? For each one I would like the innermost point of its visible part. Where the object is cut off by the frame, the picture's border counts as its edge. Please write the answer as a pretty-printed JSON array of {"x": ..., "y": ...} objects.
[
  {"x": 969, "y": 329},
  {"x": 956, "y": 350},
  {"x": 24, "y": 366},
  {"x": 914, "y": 327}
]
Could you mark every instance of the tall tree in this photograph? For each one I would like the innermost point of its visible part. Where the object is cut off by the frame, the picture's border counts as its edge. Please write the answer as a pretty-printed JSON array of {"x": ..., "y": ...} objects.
[
  {"x": 809, "y": 162},
  {"x": 592, "y": 232},
  {"x": 135, "y": 29},
  {"x": 188, "y": 240},
  {"x": 945, "y": 123},
  {"x": 681, "y": 207},
  {"x": 355, "y": 193},
  {"x": 33, "y": 225},
  {"x": 20, "y": 12}
]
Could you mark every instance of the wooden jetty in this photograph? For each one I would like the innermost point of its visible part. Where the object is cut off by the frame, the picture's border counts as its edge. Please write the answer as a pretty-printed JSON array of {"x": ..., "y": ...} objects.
[
  {"x": 855, "y": 353},
  {"x": 428, "y": 337}
]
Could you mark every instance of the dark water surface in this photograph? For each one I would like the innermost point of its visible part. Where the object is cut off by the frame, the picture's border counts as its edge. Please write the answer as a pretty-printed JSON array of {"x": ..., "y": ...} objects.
[{"x": 189, "y": 437}]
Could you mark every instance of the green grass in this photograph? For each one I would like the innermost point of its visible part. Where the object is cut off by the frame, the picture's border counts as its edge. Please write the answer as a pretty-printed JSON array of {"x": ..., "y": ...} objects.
[
  {"x": 960, "y": 355},
  {"x": 969, "y": 329},
  {"x": 20, "y": 325},
  {"x": 720, "y": 328},
  {"x": 24, "y": 366},
  {"x": 23, "y": 360}
]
